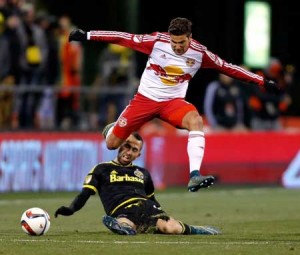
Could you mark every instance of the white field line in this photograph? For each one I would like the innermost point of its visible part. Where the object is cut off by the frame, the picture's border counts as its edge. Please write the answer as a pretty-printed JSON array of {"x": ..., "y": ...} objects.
[{"x": 150, "y": 242}]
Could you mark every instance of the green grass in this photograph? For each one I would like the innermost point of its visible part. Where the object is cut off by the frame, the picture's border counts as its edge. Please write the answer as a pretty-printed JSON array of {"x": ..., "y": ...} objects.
[{"x": 254, "y": 220}]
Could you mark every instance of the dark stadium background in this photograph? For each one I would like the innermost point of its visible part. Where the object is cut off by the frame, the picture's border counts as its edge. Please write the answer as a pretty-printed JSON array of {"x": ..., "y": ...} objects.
[{"x": 218, "y": 24}]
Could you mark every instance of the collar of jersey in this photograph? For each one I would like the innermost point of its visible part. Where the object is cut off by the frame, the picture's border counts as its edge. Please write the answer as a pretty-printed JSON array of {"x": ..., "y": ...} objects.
[{"x": 118, "y": 164}]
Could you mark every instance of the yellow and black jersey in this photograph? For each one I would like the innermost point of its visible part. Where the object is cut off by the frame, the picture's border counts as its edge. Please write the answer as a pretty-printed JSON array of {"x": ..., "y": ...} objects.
[{"x": 119, "y": 185}]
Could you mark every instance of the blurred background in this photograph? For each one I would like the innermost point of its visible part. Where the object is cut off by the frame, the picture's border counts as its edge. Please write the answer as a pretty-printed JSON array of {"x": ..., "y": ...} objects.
[{"x": 55, "y": 96}]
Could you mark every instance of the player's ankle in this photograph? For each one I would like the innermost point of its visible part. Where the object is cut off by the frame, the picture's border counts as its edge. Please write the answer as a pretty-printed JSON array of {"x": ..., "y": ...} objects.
[{"x": 194, "y": 173}]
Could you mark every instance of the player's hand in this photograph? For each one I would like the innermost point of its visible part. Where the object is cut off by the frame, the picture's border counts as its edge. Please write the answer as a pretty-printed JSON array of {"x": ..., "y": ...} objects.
[
  {"x": 78, "y": 35},
  {"x": 63, "y": 210},
  {"x": 271, "y": 86}
]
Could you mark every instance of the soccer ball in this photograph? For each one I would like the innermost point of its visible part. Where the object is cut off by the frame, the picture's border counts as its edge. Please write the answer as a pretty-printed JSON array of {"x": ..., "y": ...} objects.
[{"x": 35, "y": 221}]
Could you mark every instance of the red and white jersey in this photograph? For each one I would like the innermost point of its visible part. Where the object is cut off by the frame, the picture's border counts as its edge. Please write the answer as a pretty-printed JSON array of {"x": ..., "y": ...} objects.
[{"x": 167, "y": 75}]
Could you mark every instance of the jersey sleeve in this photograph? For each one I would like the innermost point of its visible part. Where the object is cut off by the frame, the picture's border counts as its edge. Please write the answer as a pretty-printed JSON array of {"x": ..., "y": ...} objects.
[
  {"x": 140, "y": 42},
  {"x": 212, "y": 61},
  {"x": 80, "y": 200},
  {"x": 149, "y": 186},
  {"x": 92, "y": 179}
]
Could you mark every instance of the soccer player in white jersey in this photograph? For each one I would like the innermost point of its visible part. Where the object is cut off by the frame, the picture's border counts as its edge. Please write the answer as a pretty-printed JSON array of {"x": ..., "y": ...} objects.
[{"x": 174, "y": 58}]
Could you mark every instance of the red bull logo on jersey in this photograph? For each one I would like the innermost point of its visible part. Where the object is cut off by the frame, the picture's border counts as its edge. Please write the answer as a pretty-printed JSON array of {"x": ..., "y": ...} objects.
[
  {"x": 122, "y": 122},
  {"x": 190, "y": 62},
  {"x": 170, "y": 75}
]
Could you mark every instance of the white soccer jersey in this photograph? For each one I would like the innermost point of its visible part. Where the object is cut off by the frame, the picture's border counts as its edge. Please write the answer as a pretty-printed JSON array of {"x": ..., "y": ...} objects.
[{"x": 167, "y": 75}]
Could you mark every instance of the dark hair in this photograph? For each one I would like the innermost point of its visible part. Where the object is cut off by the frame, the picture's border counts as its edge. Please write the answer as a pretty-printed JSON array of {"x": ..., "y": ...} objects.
[
  {"x": 180, "y": 26},
  {"x": 138, "y": 136}
]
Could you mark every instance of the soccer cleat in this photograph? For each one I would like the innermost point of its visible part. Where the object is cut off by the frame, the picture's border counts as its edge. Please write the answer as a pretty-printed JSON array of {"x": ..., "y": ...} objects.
[
  {"x": 106, "y": 128},
  {"x": 198, "y": 182},
  {"x": 205, "y": 230},
  {"x": 113, "y": 225}
]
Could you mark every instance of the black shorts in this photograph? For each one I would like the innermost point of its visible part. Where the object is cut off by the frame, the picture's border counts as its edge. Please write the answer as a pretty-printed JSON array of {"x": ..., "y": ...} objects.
[{"x": 143, "y": 213}]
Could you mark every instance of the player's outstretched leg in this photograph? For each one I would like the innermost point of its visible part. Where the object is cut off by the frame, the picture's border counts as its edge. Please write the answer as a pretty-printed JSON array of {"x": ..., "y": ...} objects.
[
  {"x": 198, "y": 181},
  {"x": 107, "y": 128},
  {"x": 205, "y": 230},
  {"x": 113, "y": 225}
]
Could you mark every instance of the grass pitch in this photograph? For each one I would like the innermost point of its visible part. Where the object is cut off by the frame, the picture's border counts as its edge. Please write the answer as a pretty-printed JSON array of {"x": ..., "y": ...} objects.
[{"x": 254, "y": 220}]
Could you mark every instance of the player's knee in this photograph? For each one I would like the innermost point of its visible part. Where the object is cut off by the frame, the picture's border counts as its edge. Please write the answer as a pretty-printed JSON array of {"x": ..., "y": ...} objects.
[
  {"x": 163, "y": 227},
  {"x": 197, "y": 121},
  {"x": 193, "y": 121},
  {"x": 113, "y": 144},
  {"x": 168, "y": 227}
]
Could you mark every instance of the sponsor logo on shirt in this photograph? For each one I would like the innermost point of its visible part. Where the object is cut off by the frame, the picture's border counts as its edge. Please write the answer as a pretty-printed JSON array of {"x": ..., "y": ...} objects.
[
  {"x": 124, "y": 178},
  {"x": 170, "y": 75},
  {"x": 139, "y": 174}
]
